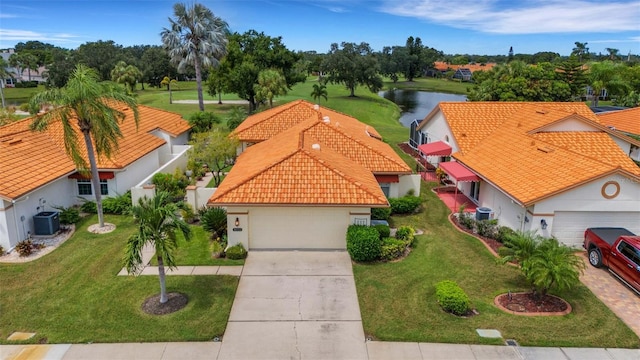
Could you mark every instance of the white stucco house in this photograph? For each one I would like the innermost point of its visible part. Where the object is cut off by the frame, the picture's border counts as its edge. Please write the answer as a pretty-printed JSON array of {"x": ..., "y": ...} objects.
[
  {"x": 626, "y": 122},
  {"x": 549, "y": 167},
  {"x": 304, "y": 174},
  {"x": 36, "y": 174}
]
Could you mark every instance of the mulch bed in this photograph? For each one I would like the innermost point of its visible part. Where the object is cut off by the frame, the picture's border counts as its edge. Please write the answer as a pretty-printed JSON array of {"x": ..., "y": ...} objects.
[
  {"x": 491, "y": 243},
  {"x": 175, "y": 302},
  {"x": 526, "y": 303}
]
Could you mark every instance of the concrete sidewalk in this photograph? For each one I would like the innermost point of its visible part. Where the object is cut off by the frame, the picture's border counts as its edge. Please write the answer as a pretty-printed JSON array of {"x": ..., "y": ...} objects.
[{"x": 375, "y": 350}]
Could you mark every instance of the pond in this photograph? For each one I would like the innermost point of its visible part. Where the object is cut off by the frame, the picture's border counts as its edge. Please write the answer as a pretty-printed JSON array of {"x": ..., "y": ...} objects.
[{"x": 417, "y": 104}]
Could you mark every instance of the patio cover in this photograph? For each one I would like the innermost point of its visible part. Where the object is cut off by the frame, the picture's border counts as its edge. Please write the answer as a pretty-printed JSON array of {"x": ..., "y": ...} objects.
[
  {"x": 439, "y": 148},
  {"x": 458, "y": 172}
]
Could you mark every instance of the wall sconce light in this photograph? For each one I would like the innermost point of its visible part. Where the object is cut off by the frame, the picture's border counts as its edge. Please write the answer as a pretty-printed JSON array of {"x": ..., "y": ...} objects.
[
  {"x": 543, "y": 224},
  {"x": 237, "y": 223},
  {"x": 526, "y": 219}
]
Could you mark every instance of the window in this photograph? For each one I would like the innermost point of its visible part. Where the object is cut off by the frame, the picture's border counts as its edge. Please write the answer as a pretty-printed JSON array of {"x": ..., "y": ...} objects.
[
  {"x": 475, "y": 190},
  {"x": 84, "y": 187},
  {"x": 104, "y": 187},
  {"x": 360, "y": 221},
  {"x": 630, "y": 252},
  {"x": 385, "y": 188}
]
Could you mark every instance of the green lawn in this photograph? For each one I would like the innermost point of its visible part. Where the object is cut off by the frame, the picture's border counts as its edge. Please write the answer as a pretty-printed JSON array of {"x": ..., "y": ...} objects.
[
  {"x": 397, "y": 300},
  {"x": 431, "y": 84},
  {"x": 197, "y": 251},
  {"x": 73, "y": 295}
]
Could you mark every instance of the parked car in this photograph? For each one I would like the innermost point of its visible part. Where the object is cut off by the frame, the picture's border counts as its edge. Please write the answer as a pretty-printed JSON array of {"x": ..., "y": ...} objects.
[{"x": 618, "y": 249}]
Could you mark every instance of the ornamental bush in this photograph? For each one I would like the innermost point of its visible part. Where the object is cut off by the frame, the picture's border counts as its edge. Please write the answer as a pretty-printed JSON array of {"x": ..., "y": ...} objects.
[
  {"x": 27, "y": 247},
  {"x": 392, "y": 248},
  {"x": 452, "y": 298},
  {"x": 118, "y": 205},
  {"x": 236, "y": 252},
  {"x": 70, "y": 215},
  {"x": 383, "y": 230},
  {"x": 406, "y": 234},
  {"x": 404, "y": 205},
  {"x": 363, "y": 243},
  {"x": 380, "y": 213},
  {"x": 487, "y": 228}
]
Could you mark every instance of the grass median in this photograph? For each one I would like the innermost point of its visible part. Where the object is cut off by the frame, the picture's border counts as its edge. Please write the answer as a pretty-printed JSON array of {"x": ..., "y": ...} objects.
[{"x": 73, "y": 295}]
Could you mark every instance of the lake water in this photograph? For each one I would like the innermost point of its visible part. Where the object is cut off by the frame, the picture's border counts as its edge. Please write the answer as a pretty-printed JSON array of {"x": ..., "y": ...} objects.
[{"x": 417, "y": 104}]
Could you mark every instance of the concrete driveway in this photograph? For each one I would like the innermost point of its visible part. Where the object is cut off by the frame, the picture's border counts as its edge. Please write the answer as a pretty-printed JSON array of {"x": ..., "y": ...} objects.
[{"x": 295, "y": 305}]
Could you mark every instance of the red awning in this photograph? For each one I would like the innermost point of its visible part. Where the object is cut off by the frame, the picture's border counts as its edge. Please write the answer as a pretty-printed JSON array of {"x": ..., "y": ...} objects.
[
  {"x": 458, "y": 172},
  {"x": 387, "y": 178},
  {"x": 103, "y": 175},
  {"x": 440, "y": 148}
]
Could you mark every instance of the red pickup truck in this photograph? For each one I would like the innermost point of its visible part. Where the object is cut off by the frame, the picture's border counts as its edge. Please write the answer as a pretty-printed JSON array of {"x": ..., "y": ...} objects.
[{"x": 618, "y": 249}]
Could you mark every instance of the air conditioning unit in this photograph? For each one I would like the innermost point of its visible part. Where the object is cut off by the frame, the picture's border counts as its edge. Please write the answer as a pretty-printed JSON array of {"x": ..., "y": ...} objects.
[
  {"x": 46, "y": 223},
  {"x": 483, "y": 213}
]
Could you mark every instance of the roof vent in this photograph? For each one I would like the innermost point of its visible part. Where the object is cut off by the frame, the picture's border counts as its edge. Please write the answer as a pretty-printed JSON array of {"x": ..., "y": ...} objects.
[
  {"x": 15, "y": 141},
  {"x": 541, "y": 111},
  {"x": 545, "y": 149},
  {"x": 326, "y": 119},
  {"x": 315, "y": 147},
  {"x": 316, "y": 107}
]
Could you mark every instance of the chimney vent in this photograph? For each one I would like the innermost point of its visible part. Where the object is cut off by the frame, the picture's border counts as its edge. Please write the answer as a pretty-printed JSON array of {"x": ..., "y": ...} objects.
[
  {"x": 315, "y": 147},
  {"x": 326, "y": 119}
]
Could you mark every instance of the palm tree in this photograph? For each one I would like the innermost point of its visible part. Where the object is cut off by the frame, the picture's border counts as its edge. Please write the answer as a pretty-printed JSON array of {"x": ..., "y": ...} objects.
[
  {"x": 580, "y": 50},
  {"x": 127, "y": 75},
  {"x": 613, "y": 53},
  {"x": 158, "y": 222},
  {"x": 606, "y": 75},
  {"x": 554, "y": 265},
  {"x": 197, "y": 37},
  {"x": 271, "y": 83},
  {"x": 319, "y": 91},
  {"x": 167, "y": 81},
  {"x": 92, "y": 105},
  {"x": 3, "y": 75}
]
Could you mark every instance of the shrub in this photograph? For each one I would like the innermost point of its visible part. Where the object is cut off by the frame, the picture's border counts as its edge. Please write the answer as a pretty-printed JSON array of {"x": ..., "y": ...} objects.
[
  {"x": 174, "y": 184},
  {"x": 392, "y": 248},
  {"x": 487, "y": 228},
  {"x": 118, "y": 205},
  {"x": 466, "y": 220},
  {"x": 70, "y": 215},
  {"x": 24, "y": 107},
  {"x": 203, "y": 121},
  {"x": 504, "y": 232},
  {"x": 363, "y": 243},
  {"x": 187, "y": 213},
  {"x": 214, "y": 220},
  {"x": 405, "y": 204},
  {"x": 89, "y": 207},
  {"x": 406, "y": 234},
  {"x": 452, "y": 298},
  {"x": 383, "y": 230},
  {"x": 236, "y": 252},
  {"x": 27, "y": 247},
  {"x": 380, "y": 213},
  {"x": 1, "y": 250},
  {"x": 26, "y": 84}
]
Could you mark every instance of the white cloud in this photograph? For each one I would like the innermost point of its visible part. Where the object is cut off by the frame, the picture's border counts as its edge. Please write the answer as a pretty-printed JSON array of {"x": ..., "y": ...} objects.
[
  {"x": 27, "y": 35},
  {"x": 7, "y": 16},
  {"x": 526, "y": 17}
]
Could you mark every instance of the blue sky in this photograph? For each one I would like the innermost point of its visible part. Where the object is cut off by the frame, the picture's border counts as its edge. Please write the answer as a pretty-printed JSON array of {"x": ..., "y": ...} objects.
[{"x": 463, "y": 26}]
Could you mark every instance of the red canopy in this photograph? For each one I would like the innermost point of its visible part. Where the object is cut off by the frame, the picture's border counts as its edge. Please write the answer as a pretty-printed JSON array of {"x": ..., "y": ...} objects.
[
  {"x": 458, "y": 172},
  {"x": 440, "y": 148}
]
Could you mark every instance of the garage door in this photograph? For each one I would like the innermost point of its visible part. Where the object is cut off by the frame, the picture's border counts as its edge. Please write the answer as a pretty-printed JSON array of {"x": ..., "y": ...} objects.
[
  {"x": 298, "y": 228},
  {"x": 569, "y": 226}
]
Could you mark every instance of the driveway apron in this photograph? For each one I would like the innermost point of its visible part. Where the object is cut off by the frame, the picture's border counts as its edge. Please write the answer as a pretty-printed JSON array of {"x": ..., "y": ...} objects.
[{"x": 295, "y": 305}]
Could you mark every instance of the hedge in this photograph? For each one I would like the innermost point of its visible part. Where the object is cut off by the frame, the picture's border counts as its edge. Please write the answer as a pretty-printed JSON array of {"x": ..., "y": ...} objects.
[{"x": 363, "y": 243}]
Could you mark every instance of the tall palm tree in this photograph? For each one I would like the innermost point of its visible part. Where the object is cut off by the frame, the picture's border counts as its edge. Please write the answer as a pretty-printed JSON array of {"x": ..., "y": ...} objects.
[
  {"x": 158, "y": 222},
  {"x": 92, "y": 105},
  {"x": 3, "y": 75},
  {"x": 167, "y": 81},
  {"x": 197, "y": 37},
  {"x": 580, "y": 50},
  {"x": 319, "y": 91}
]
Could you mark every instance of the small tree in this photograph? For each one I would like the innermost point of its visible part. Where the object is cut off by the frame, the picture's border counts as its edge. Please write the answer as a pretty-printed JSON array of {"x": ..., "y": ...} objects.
[
  {"x": 216, "y": 149},
  {"x": 271, "y": 83},
  {"x": 319, "y": 91},
  {"x": 168, "y": 82},
  {"x": 235, "y": 117},
  {"x": 157, "y": 225}
]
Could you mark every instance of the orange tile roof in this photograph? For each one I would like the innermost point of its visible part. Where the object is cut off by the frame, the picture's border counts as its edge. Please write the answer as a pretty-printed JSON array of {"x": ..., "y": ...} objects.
[
  {"x": 287, "y": 170},
  {"x": 29, "y": 159},
  {"x": 511, "y": 145},
  {"x": 268, "y": 123},
  {"x": 443, "y": 66},
  {"x": 627, "y": 121}
]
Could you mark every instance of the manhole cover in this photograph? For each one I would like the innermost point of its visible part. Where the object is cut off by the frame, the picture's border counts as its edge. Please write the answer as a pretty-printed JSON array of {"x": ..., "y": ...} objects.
[
  {"x": 511, "y": 342},
  {"x": 516, "y": 307}
]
